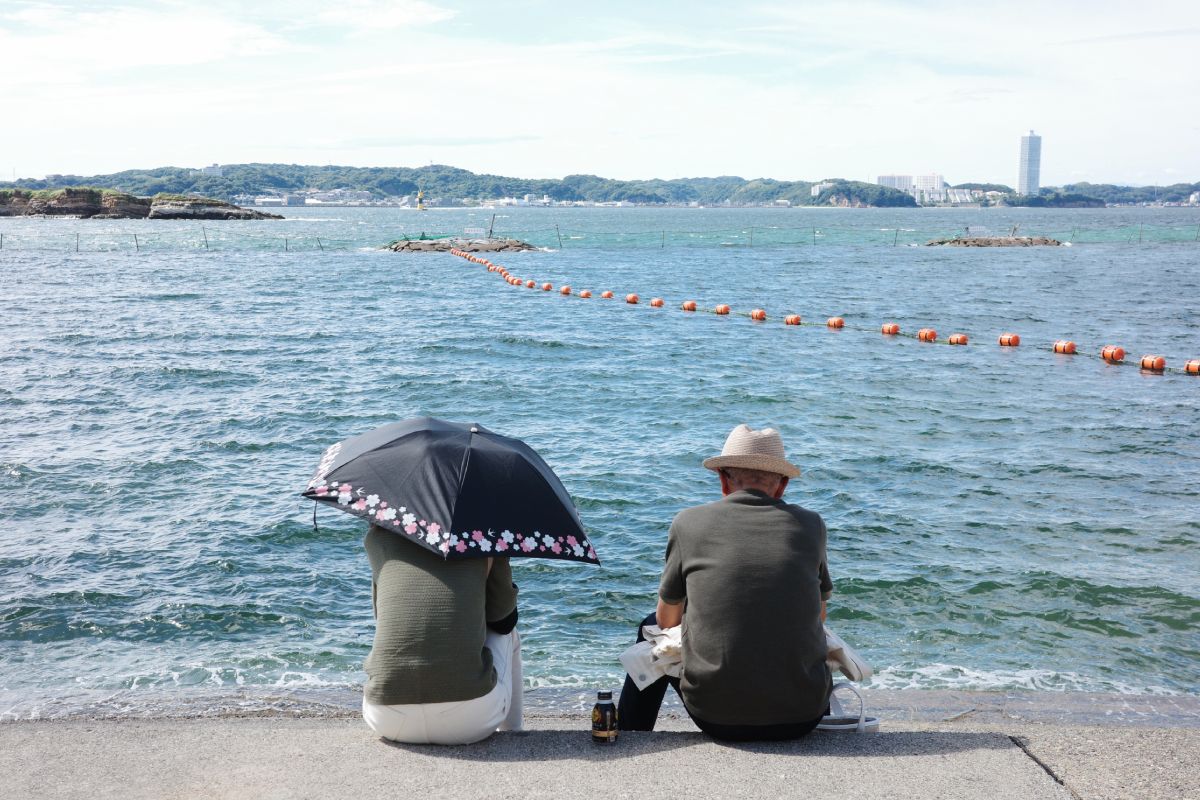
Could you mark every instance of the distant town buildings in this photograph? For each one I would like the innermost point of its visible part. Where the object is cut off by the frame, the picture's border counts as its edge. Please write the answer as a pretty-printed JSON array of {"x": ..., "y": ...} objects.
[
  {"x": 817, "y": 188},
  {"x": 925, "y": 189},
  {"x": 214, "y": 170},
  {"x": 1194, "y": 199},
  {"x": 1030, "y": 171}
]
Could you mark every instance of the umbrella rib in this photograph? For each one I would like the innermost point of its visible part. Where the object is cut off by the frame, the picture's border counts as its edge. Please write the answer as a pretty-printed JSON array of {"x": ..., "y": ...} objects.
[{"x": 462, "y": 476}]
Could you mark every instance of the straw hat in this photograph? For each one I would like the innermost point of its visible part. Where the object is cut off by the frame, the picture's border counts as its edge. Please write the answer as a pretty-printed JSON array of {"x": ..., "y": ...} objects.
[{"x": 751, "y": 449}]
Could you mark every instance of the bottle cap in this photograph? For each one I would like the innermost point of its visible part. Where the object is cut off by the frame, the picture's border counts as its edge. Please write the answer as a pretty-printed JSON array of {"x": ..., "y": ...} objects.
[{"x": 605, "y": 695}]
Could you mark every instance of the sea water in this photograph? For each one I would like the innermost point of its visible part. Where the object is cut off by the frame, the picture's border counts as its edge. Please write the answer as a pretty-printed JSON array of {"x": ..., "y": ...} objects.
[{"x": 998, "y": 518}]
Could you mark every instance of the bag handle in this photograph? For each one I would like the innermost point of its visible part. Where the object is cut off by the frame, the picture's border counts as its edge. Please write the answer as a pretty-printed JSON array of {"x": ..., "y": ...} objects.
[{"x": 835, "y": 705}]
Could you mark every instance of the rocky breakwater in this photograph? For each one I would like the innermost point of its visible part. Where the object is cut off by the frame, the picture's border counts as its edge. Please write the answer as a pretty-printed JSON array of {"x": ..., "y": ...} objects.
[
  {"x": 995, "y": 241},
  {"x": 458, "y": 243},
  {"x": 88, "y": 203}
]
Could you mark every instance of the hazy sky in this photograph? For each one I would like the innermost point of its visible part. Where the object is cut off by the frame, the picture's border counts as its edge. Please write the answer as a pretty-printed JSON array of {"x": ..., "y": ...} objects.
[{"x": 788, "y": 90}]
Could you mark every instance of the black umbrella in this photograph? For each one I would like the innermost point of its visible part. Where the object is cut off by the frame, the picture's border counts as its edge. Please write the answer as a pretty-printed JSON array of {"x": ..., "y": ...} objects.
[{"x": 456, "y": 489}]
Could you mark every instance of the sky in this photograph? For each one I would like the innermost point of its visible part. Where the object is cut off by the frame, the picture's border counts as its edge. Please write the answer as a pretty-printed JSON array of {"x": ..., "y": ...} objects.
[{"x": 649, "y": 89}]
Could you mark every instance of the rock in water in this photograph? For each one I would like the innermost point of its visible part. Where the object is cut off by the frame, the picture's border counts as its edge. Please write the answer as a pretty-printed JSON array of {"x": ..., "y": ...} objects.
[
  {"x": 176, "y": 206},
  {"x": 995, "y": 241},
  {"x": 459, "y": 243},
  {"x": 86, "y": 203}
]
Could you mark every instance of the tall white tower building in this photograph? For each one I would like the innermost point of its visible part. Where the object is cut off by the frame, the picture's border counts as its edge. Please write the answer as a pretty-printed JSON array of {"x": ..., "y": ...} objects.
[{"x": 1029, "y": 176}]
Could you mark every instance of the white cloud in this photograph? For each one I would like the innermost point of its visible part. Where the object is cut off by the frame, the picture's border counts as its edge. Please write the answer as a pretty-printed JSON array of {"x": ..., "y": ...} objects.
[{"x": 799, "y": 91}]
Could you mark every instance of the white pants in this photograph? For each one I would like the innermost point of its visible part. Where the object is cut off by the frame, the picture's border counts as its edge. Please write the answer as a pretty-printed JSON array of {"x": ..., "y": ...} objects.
[{"x": 460, "y": 721}]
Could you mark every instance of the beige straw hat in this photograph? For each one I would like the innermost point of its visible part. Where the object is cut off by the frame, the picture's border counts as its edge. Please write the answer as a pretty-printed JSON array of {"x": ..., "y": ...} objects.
[{"x": 751, "y": 449}]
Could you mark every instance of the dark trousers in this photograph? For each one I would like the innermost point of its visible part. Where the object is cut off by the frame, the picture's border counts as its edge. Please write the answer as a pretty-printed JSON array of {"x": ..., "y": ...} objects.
[{"x": 638, "y": 711}]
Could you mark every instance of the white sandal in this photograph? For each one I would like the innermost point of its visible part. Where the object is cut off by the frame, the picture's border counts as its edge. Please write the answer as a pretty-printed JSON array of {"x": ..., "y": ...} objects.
[{"x": 838, "y": 720}]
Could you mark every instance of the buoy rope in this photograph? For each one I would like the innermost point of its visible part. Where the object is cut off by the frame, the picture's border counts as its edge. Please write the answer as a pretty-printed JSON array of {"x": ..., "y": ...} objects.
[{"x": 695, "y": 308}]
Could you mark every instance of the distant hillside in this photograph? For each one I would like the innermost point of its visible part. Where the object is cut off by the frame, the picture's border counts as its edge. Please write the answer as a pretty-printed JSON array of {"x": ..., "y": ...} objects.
[
  {"x": 1110, "y": 193},
  {"x": 452, "y": 184}
]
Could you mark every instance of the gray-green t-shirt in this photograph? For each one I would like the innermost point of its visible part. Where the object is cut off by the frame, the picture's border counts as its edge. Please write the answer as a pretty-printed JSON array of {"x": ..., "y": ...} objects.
[
  {"x": 752, "y": 572},
  {"x": 431, "y": 618}
]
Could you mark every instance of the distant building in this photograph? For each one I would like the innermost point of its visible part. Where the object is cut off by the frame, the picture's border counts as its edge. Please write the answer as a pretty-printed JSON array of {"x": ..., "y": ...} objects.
[
  {"x": 293, "y": 199},
  {"x": 1030, "y": 172},
  {"x": 817, "y": 188},
  {"x": 924, "y": 188},
  {"x": 902, "y": 182},
  {"x": 214, "y": 170}
]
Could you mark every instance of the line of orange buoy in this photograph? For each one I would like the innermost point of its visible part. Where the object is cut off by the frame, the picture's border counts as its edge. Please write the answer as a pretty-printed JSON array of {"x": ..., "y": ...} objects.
[{"x": 1111, "y": 354}]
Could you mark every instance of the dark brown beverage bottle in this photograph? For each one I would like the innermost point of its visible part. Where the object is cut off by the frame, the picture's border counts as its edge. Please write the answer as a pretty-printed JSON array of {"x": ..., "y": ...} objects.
[{"x": 604, "y": 719}]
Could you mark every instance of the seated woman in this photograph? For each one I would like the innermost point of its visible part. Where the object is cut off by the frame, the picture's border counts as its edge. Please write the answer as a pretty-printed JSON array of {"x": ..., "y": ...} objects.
[{"x": 445, "y": 666}]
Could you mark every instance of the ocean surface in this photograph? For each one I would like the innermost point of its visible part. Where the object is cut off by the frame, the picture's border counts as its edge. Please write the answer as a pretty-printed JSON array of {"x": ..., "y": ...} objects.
[{"x": 999, "y": 518}]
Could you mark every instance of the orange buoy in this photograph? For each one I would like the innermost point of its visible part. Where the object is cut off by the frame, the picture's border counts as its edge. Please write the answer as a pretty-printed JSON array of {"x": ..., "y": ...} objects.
[
  {"x": 565, "y": 290},
  {"x": 689, "y": 305},
  {"x": 791, "y": 319},
  {"x": 547, "y": 286},
  {"x": 957, "y": 338},
  {"x": 1065, "y": 346},
  {"x": 1154, "y": 363},
  {"x": 530, "y": 283},
  {"x": 1009, "y": 340},
  {"x": 722, "y": 309},
  {"x": 656, "y": 302},
  {"x": 1192, "y": 367},
  {"x": 927, "y": 335},
  {"x": 586, "y": 293},
  {"x": 632, "y": 299},
  {"x": 1112, "y": 354},
  {"x": 889, "y": 329},
  {"x": 836, "y": 322},
  {"x": 606, "y": 295},
  {"x": 758, "y": 315}
]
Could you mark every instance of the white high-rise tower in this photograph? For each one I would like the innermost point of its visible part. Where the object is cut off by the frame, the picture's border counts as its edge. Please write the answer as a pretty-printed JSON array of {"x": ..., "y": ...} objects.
[{"x": 1029, "y": 176}]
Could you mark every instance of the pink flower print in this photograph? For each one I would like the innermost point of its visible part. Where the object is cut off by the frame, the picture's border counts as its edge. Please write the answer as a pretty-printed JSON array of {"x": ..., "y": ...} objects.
[
  {"x": 385, "y": 513},
  {"x": 410, "y": 529},
  {"x": 507, "y": 536},
  {"x": 591, "y": 553},
  {"x": 542, "y": 548},
  {"x": 409, "y": 519},
  {"x": 359, "y": 505},
  {"x": 434, "y": 527},
  {"x": 444, "y": 547},
  {"x": 477, "y": 535},
  {"x": 486, "y": 545},
  {"x": 556, "y": 548},
  {"x": 322, "y": 490},
  {"x": 432, "y": 538},
  {"x": 345, "y": 488},
  {"x": 571, "y": 540},
  {"x": 461, "y": 546},
  {"x": 501, "y": 546},
  {"x": 527, "y": 545}
]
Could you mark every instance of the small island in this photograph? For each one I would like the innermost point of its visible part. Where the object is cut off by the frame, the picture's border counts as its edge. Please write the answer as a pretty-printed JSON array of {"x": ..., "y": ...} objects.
[
  {"x": 447, "y": 243},
  {"x": 89, "y": 203},
  {"x": 994, "y": 241}
]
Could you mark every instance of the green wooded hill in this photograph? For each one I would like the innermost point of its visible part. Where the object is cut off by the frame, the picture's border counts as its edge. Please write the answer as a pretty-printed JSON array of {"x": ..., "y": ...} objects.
[{"x": 451, "y": 184}]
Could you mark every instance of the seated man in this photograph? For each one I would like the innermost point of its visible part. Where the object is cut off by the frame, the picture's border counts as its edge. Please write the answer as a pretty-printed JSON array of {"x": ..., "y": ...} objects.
[
  {"x": 445, "y": 667},
  {"x": 747, "y": 578}
]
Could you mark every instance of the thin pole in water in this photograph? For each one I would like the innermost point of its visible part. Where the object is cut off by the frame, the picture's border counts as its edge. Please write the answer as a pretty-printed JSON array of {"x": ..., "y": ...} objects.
[
  {"x": 1139, "y": 233},
  {"x": 285, "y": 244},
  {"x": 1197, "y": 236},
  {"x": 2, "y": 238},
  {"x": 205, "y": 233},
  {"x": 77, "y": 243},
  {"x": 752, "y": 236},
  {"x": 896, "y": 238},
  {"x": 137, "y": 248},
  {"x": 491, "y": 225},
  {"x": 557, "y": 231},
  {"x": 664, "y": 240},
  {"x": 814, "y": 236},
  {"x": 320, "y": 245}
]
